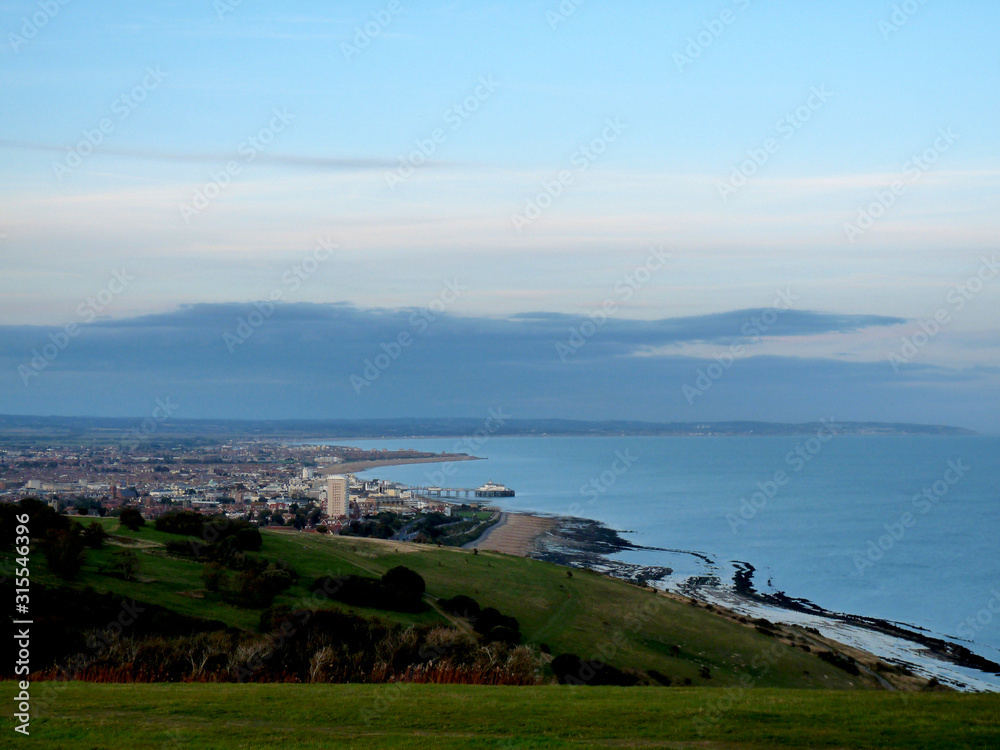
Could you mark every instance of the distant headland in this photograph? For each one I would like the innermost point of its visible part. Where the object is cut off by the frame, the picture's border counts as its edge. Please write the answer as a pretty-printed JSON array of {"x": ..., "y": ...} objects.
[{"x": 112, "y": 428}]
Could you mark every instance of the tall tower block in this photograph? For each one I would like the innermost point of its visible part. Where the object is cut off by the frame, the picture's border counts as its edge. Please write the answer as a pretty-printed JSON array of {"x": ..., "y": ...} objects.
[{"x": 336, "y": 496}]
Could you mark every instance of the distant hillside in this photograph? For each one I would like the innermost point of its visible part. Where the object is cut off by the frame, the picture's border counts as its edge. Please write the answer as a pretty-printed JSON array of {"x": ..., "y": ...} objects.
[{"x": 113, "y": 427}]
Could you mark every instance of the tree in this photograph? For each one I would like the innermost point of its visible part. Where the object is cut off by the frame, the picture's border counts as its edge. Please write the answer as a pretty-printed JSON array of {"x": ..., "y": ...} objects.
[
  {"x": 127, "y": 564},
  {"x": 64, "y": 552},
  {"x": 249, "y": 539},
  {"x": 42, "y": 519},
  {"x": 405, "y": 583},
  {"x": 94, "y": 535},
  {"x": 131, "y": 519}
]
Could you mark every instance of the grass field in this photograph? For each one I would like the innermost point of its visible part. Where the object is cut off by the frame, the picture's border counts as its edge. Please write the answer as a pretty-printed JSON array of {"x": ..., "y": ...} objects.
[
  {"x": 75, "y": 715},
  {"x": 588, "y": 614}
]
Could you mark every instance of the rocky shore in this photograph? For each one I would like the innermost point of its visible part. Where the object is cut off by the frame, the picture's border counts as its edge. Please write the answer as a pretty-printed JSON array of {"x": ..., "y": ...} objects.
[{"x": 584, "y": 543}]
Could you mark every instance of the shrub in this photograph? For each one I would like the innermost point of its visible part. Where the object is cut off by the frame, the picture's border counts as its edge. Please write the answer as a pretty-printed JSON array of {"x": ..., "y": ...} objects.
[
  {"x": 843, "y": 662},
  {"x": 64, "y": 552},
  {"x": 251, "y": 591},
  {"x": 366, "y": 592},
  {"x": 462, "y": 606},
  {"x": 274, "y": 618},
  {"x": 490, "y": 618},
  {"x": 131, "y": 519},
  {"x": 659, "y": 677},
  {"x": 185, "y": 522},
  {"x": 214, "y": 577},
  {"x": 278, "y": 579},
  {"x": 406, "y": 587},
  {"x": 407, "y": 583},
  {"x": 503, "y": 634},
  {"x": 570, "y": 669},
  {"x": 126, "y": 564},
  {"x": 94, "y": 535},
  {"x": 177, "y": 547},
  {"x": 249, "y": 539}
]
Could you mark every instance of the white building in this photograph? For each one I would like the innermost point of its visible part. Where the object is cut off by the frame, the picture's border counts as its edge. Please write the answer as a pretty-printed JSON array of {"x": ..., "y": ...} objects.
[{"x": 336, "y": 495}]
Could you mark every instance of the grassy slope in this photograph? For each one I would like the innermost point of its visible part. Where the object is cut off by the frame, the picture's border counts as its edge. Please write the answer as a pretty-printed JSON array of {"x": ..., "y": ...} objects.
[
  {"x": 591, "y": 615},
  {"x": 74, "y": 715}
]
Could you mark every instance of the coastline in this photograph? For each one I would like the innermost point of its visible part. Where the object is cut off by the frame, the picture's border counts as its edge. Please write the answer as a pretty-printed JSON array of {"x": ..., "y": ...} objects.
[
  {"x": 514, "y": 534},
  {"x": 585, "y": 543},
  {"x": 354, "y": 467}
]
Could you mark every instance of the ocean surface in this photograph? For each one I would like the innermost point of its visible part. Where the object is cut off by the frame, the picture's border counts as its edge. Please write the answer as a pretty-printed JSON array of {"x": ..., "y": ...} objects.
[{"x": 901, "y": 528}]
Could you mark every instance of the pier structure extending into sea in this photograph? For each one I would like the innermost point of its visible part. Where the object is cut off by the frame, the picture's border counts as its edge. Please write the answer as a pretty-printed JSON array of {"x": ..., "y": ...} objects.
[{"x": 490, "y": 489}]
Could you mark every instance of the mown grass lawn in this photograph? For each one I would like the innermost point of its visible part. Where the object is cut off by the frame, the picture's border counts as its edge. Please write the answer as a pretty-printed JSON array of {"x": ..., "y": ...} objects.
[{"x": 76, "y": 715}]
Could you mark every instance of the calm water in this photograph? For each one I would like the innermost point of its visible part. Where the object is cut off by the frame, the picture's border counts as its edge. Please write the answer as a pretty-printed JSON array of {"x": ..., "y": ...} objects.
[{"x": 834, "y": 530}]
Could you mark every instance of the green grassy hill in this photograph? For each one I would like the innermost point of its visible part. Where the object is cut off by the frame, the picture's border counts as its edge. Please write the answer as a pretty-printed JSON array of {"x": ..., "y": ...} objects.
[
  {"x": 593, "y": 616},
  {"x": 397, "y": 717}
]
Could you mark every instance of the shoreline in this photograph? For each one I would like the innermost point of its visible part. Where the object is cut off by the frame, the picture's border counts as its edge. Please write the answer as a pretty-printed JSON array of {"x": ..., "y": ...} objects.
[
  {"x": 514, "y": 534},
  {"x": 585, "y": 543},
  {"x": 356, "y": 467}
]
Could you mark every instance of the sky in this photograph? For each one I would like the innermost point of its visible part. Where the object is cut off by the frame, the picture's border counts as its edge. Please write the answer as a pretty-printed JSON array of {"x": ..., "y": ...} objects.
[{"x": 571, "y": 209}]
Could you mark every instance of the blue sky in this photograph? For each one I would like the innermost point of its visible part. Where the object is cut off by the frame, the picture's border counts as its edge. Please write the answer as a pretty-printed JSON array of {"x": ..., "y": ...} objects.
[{"x": 533, "y": 157}]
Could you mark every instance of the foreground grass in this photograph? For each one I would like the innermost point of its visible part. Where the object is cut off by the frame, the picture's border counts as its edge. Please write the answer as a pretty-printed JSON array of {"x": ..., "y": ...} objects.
[{"x": 76, "y": 715}]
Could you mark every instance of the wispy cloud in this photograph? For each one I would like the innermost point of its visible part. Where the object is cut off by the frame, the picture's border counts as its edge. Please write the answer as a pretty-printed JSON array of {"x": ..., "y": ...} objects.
[{"x": 288, "y": 160}]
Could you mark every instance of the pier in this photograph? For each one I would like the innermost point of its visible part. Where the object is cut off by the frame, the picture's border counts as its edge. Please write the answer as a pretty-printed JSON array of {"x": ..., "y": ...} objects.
[{"x": 490, "y": 489}]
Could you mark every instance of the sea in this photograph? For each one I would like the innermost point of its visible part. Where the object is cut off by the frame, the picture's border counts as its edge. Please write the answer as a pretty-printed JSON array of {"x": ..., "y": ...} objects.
[{"x": 902, "y": 528}]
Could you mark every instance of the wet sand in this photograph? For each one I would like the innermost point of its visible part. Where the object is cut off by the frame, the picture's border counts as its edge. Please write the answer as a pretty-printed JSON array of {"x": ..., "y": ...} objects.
[{"x": 514, "y": 534}]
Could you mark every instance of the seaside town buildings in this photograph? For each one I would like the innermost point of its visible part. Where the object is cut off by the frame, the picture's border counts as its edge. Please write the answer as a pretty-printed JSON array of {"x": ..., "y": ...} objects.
[{"x": 265, "y": 482}]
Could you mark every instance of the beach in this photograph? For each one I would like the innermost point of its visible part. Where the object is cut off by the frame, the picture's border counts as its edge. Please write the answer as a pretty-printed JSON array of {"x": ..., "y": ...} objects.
[
  {"x": 353, "y": 467},
  {"x": 514, "y": 534}
]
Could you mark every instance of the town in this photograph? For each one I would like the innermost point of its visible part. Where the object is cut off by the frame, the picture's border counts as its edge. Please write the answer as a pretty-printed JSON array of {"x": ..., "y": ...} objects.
[{"x": 308, "y": 488}]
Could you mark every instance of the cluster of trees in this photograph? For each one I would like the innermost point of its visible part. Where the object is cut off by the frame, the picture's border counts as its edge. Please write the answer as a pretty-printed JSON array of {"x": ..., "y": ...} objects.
[
  {"x": 63, "y": 542},
  {"x": 491, "y": 624},
  {"x": 217, "y": 536},
  {"x": 399, "y": 590},
  {"x": 252, "y": 584},
  {"x": 245, "y": 580},
  {"x": 298, "y": 516},
  {"x": 41, "y": 520},
  {"x": 383, "y": 526}
]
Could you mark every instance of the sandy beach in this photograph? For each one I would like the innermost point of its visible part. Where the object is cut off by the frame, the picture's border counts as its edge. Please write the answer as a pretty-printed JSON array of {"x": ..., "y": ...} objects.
[
  {"x": 514, "y": 534},
  {"x": 353, "y": 467}
]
